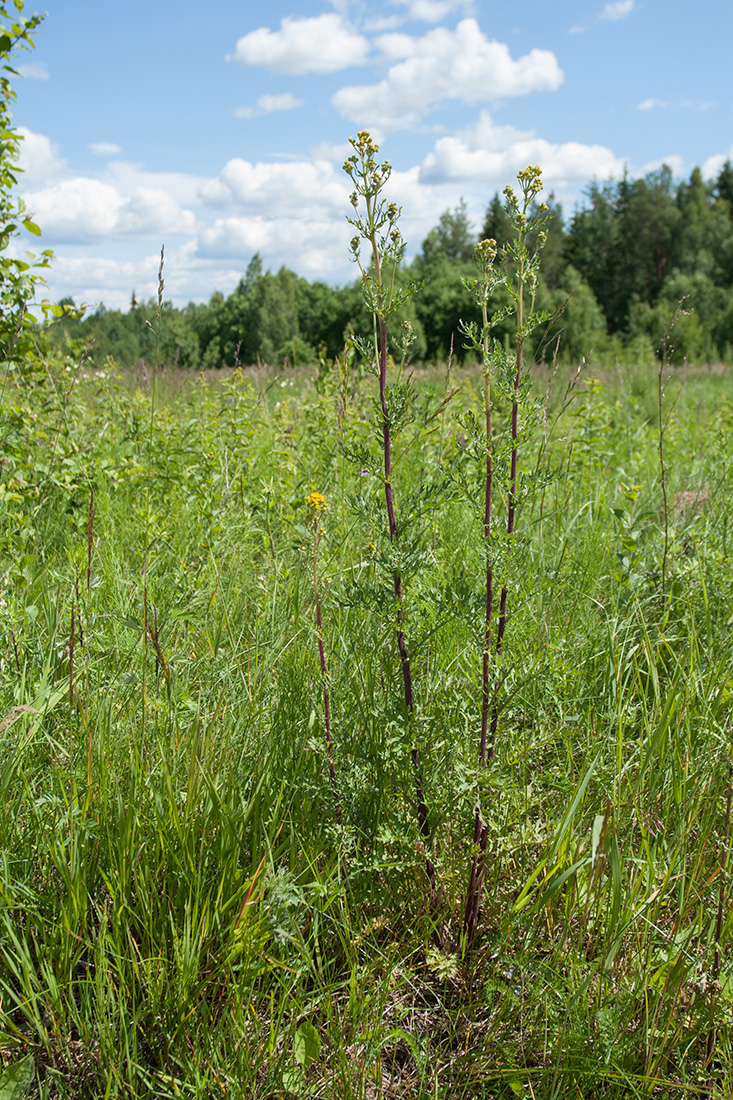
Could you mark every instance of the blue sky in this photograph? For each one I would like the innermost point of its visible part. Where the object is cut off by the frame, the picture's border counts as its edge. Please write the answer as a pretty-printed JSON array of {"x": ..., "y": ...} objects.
[{"x": 220, "y": 129}]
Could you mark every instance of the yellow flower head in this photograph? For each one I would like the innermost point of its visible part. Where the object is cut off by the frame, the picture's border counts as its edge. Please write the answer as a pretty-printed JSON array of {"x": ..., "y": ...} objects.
[{"x": 317, "y": 502}]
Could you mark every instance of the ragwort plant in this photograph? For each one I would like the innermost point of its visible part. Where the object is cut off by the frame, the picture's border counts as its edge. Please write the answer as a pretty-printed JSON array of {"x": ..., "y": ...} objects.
[
  {"x": 375, "y": 222},
  {"x": 504, "y": 371}
]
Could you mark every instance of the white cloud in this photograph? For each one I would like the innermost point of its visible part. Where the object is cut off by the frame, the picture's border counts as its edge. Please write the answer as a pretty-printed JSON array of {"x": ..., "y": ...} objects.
[
  {"x": 268, "y": 103},
  {"x": 153, "y": 211},
  {"x": 397, "y": 46},
  {"x": 38, "y": 159},
  {"x": 84, "y": 209},
  {"x": 127, "y": 202},
  {"x": 444, "y": 65},
  {"x": 105, "y": 148},
  {"x": 337, "y": 152},
  {"x": 293, "y": 212},
  {"x": 76, "y": 209},
  {"x": 128, "y": 178},
  {"x": 617, "y": 10},
  {"x": 93, "y": 278},
  {"x": 432, "y": 11},
  {"x": 683, "y": 104},
  {"x": 711, "y": 168},
  {"x": 314, "y": 247},
  {"x": 298, "y": 187},
  {"x": 322, "y": 44},
  {"x": 34, "y": 70},
  {"x": 376, "y": 24},
  {"x": 673, "y": 161},
  {"x": 496, "y": 153}
]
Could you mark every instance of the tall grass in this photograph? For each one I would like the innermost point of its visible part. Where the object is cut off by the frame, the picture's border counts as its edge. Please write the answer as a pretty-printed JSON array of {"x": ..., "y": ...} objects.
[{"x": 174, "y": 915}]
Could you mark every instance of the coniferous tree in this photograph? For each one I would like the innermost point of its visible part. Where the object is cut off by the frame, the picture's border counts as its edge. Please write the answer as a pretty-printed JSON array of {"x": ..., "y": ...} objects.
[
  {"x": 724, "y": 185},
  {"x": 496, "y": 224}
]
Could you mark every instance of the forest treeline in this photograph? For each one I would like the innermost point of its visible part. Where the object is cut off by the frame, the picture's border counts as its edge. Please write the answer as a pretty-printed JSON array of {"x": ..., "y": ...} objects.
[{"x": 613, "y": 277}]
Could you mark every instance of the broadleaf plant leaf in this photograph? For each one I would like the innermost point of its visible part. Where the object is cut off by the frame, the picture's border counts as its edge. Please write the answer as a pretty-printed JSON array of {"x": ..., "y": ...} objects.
[
  {"x": 306, "y": 1044},
  {"x": 16, "y": 1080}
]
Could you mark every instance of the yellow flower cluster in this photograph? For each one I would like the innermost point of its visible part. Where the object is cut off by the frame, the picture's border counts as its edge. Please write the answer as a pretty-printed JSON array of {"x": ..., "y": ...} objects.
[{"x": 317, "y": 502}]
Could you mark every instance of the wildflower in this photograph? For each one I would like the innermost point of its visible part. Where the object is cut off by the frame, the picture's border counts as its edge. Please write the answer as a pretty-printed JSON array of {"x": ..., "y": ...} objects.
[{"x": 317, "y": 502}]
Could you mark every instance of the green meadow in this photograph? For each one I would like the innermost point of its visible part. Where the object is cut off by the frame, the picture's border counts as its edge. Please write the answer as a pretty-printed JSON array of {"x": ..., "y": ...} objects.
[
  {"x": 365, "y": 717},
  {"x": 202, "y": 894}
]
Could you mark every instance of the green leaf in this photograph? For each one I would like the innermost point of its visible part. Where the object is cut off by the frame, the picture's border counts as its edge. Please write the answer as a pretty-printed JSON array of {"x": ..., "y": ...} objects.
[
  {"x": 17, "y": 1079},
  {"x": 556, "y": 883},
  {"x": 293, "y": 1080},
  {"x": 306, "y": 1044},
  {"x": 32, "y": 227}
]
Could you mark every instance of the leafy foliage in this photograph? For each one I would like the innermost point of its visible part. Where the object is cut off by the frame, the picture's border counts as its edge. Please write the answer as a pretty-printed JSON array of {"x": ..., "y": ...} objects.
[{"x": 20, "y": 275}]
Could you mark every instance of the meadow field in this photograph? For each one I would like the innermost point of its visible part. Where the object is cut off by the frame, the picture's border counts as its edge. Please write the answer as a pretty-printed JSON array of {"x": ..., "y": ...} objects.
[
  {"x": 366, "y": 713},
  {"x": 215, "y": 877}
]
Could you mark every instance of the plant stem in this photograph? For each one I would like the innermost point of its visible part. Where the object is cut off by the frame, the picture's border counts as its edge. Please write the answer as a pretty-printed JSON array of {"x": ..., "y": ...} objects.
[
  {"x": 480, "y": 830},
  {"x": 324, "y": 676},
  {"x": 526, "y": 277},
  {"x": 512, "y": 503},
  {"x": 662, "y": 470},
  {"x": 369, "y": 179},
  {"x": 421, "y": 805}
]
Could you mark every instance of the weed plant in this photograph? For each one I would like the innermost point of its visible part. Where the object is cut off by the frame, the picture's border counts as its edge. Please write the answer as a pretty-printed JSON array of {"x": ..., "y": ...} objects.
[{"x": 175, "y": 915}]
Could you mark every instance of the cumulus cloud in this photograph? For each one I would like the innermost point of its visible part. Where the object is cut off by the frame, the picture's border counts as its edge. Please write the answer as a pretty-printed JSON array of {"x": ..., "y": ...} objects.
[
  {"x": 94, "y": 278},
  {"x": 444, "y": 65},
  {"x": 84, "y": 209},
  {"x": 711, "y": 168},
  {"x": 105, "y": 148},
  {"x": 315, "y": 247},
  {"x": 268, "y": 103},
  {"x": 617, "y": 10},
  {"x": 296, "y": 187},
  {"x": 76, "y": 209},
  {"x": 128, "y": 178},
  {"x": 496, "y": 153},
  {"x": 293, "y": 213},
  {"x": 38, "y": 159},
  {"x": 650, "y": 104},
  {"x": 321, "y": 44}
]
